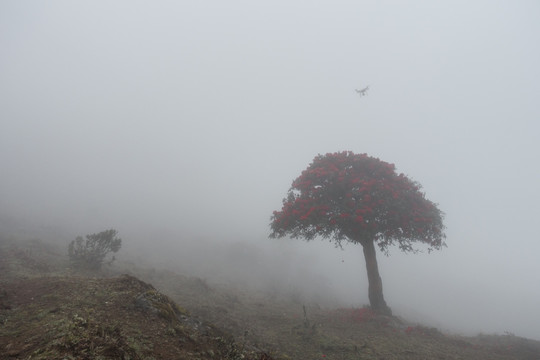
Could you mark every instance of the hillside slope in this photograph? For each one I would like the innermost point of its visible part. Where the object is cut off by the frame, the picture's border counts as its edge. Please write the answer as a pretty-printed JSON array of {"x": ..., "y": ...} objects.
[
  {"x": 308, "y": 331},
  {"x": 47, "y": 312},
  {"x": 117, "y": 318}
]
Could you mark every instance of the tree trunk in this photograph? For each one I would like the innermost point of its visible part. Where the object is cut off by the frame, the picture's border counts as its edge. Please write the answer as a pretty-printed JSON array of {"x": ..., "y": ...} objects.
[{"x": 376, "y": 298}]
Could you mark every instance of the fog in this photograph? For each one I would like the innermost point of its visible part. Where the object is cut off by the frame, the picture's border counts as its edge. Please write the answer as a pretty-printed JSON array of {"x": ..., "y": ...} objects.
[{"x": 182, "y": 125}]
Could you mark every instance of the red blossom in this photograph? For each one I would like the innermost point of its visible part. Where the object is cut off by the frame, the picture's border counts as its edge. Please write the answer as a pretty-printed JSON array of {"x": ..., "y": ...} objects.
[
  {"x": 409, "y": 329},
  {"x": 345, "y": 194}
]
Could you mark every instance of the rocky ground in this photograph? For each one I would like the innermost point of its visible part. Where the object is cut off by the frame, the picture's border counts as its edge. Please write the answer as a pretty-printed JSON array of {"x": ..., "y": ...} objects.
[{"x": 47, "y": 311}]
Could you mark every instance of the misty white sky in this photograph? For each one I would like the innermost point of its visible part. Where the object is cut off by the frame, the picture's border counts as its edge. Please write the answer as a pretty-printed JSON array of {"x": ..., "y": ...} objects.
[{"x": 173, "y": 121}]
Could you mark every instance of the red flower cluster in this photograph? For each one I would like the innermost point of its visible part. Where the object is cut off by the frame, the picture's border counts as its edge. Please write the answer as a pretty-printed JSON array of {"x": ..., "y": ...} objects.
[
  {"x": 351, "y": 197},
  {"x": 410, "y": 329}
]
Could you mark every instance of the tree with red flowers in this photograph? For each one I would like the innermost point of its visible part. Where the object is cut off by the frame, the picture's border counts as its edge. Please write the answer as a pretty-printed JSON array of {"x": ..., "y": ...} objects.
[{"x": 360, "y": 199}]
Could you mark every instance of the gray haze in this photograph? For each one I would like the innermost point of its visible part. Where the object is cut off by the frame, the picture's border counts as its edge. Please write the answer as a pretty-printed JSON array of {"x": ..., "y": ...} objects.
[{"x": 183, "y": 123}]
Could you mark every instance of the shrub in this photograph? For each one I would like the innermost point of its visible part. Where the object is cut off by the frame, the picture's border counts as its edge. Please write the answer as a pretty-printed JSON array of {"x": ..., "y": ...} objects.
[{"x": 89, "y": 254}]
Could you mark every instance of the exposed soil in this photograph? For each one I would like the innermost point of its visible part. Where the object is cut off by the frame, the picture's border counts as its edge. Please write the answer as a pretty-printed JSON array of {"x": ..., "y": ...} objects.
[
  {"x": 49, "y": 312},
  {"x": 44, "y": 315},
  {"x": 299, "y": 331},
  {"x": 117, "y": 318}
]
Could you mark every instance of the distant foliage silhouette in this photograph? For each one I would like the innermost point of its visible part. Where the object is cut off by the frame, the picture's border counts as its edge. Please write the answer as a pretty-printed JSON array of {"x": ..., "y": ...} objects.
[{"x": 90, "y": 253}]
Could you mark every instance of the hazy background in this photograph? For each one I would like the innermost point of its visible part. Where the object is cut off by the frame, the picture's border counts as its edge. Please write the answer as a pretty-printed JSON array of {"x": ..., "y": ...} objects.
[{"x": 183, "y": 123}]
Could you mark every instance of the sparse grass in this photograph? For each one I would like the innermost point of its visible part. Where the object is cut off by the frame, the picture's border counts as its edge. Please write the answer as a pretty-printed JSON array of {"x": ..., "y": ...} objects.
[
  {"x": 354, "y": 333},
  {"x": 55, "y": 315}
]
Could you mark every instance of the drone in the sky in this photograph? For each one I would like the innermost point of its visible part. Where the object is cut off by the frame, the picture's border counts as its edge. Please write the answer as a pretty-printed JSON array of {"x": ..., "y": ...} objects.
[{"x": 362, "y": 92}]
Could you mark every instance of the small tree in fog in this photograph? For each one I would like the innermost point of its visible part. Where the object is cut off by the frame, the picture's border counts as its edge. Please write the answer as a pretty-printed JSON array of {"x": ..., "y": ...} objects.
[
  {"x": 360, "y": 199},
  {"x": 89, "y": 253}
]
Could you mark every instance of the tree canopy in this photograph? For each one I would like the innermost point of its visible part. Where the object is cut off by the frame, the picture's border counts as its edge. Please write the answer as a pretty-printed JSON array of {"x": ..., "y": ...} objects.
[{"x": 358, "y": 198}]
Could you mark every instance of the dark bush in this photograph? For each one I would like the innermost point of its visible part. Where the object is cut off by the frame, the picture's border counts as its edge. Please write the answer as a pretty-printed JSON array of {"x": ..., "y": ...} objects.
[{"x": 90, "y": 254}]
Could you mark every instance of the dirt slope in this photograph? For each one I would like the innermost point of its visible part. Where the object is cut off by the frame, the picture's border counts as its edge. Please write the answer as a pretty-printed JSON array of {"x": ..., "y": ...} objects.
[
  {"x": 118, "y": 318},
  {"x": 306, "y": 331},
  {"x": 47, "y": 312}
]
